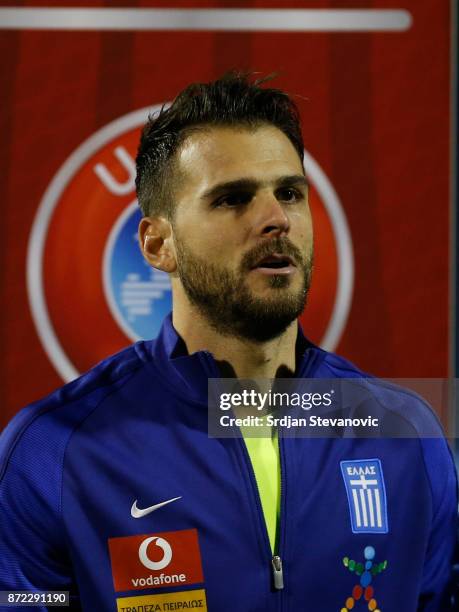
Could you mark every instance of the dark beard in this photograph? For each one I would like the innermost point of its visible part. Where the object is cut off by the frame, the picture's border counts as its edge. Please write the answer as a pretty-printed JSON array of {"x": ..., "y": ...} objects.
[{"x": 226, "y": 301}]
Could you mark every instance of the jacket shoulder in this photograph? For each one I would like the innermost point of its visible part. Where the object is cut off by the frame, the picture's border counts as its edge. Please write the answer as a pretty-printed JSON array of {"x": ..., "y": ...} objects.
[
  {"x": 52, "y": 419},
  {"x": 410, "y": 415},
  {"x": 335, "y": 366}
]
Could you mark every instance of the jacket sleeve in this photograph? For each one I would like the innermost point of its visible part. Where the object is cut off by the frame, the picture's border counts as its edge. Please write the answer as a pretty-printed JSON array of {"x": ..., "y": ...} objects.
[
  {"x": 32, "y": 537},
  {"x": 435, "y": 592}
]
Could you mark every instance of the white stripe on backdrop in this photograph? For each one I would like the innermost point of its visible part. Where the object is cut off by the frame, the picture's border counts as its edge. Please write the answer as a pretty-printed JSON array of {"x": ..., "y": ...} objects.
[{"x": 263, "y": 20}]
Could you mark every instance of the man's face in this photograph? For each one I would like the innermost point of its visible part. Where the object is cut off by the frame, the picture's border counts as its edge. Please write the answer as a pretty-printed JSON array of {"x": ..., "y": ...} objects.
[{"x": 242, "y": 229}]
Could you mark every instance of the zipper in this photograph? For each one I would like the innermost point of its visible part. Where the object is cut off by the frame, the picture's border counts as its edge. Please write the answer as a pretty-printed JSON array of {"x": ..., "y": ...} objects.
[
  {"x": 275, "y": 560},
  {"x": 277, "y": 572},
  {"x": 274, "y": 557}
]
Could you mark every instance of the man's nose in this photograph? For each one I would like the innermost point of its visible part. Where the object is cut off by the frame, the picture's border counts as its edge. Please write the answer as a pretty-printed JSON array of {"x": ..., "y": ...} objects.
[{"x": 271, "y": 216}]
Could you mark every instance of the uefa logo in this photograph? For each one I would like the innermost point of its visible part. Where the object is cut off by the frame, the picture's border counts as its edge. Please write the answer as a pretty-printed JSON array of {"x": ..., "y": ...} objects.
[{"x": 90, "y": 291}]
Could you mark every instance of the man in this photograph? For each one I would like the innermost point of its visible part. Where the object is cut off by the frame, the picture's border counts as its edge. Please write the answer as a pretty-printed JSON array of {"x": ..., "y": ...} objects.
[{"x": 111, "y": 487}]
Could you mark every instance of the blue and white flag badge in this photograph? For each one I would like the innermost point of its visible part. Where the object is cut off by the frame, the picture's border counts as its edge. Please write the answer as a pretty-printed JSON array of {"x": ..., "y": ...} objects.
[{"x": 366, "y": 495}]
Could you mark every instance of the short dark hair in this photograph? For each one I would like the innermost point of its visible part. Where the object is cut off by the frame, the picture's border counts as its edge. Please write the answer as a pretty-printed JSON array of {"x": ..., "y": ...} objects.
[{"x": 233, "y": 100}]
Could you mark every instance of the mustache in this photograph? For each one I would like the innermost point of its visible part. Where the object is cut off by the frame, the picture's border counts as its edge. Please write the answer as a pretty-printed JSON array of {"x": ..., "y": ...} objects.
[{"x": 281, "y": 245}]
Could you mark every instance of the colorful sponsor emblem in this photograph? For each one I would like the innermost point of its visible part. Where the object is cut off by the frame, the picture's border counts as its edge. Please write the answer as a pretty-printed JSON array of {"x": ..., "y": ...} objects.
[
  {"x": 182, "y": 600},
  {"x": 366, "y": 494},
  {"x": 156, "y": 560},
  {"x": 367, "y": 570},
  {"x": 90, "y": 291}
]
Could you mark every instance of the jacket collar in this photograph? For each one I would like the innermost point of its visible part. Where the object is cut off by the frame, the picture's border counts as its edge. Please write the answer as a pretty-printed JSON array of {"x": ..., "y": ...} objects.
[{"x": 189, "y": 374}]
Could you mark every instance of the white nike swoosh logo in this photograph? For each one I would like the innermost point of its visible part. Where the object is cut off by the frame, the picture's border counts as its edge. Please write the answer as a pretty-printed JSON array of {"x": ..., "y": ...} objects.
[{"x": 139, "y": 512}]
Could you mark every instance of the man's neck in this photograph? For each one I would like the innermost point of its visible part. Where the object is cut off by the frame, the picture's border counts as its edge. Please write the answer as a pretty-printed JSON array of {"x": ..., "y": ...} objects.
[{"x": 238, "y": 357}]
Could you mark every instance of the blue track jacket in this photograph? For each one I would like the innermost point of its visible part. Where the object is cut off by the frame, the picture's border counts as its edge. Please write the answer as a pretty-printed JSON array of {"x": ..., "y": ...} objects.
[{"x": 135, "y": 429}]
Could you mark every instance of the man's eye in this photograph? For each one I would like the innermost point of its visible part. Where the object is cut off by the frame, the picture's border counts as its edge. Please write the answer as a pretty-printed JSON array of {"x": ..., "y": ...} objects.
[
  {"x": 289, "y": 194},
  {"x": 234, "y": 199}
]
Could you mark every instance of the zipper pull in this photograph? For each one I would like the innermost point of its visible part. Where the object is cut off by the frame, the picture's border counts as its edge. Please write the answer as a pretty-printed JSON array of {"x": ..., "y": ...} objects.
[{"x": 277, "y": 572}]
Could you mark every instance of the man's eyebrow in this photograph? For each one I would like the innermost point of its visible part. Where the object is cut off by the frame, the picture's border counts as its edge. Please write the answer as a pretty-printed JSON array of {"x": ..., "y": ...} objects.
[
  {"x": 296, "y": 179},
  {"x": 252, "y": 184},
  {"x": 238, "y": 185}
]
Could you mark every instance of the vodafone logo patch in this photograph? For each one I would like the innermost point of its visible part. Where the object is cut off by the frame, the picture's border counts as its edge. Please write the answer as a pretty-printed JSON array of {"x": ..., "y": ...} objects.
[
  {"x": 156, "y": 560},
  {"x": 90, "y": 291},
  {"x": 155, "y": 565}
]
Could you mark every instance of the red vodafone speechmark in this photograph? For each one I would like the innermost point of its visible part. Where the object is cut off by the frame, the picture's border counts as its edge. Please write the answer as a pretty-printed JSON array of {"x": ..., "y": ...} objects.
[{"x": 84, "y": 201}]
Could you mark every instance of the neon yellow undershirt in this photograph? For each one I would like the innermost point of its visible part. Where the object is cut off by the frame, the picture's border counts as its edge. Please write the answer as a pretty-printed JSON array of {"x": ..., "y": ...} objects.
[{"x": 264, "y": 455}]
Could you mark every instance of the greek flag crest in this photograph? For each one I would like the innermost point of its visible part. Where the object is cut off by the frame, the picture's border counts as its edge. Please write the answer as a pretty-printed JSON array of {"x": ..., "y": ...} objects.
[{"x": 366, "y": 495}]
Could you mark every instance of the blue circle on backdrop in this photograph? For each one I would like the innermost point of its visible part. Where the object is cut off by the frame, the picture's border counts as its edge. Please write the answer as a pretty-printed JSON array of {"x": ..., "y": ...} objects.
[{"x": 141, "y": 294}]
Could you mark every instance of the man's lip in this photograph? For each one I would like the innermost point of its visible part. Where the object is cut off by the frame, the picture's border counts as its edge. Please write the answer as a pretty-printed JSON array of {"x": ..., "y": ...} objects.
[{"x": 275, "y": 257}]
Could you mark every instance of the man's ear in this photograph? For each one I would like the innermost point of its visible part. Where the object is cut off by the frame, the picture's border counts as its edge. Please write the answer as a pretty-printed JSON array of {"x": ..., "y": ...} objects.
[{"x": 156, "y": 243}]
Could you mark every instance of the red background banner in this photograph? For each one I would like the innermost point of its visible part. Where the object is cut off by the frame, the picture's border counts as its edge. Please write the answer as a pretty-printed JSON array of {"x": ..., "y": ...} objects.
[{"x": 375, "y": 108}]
